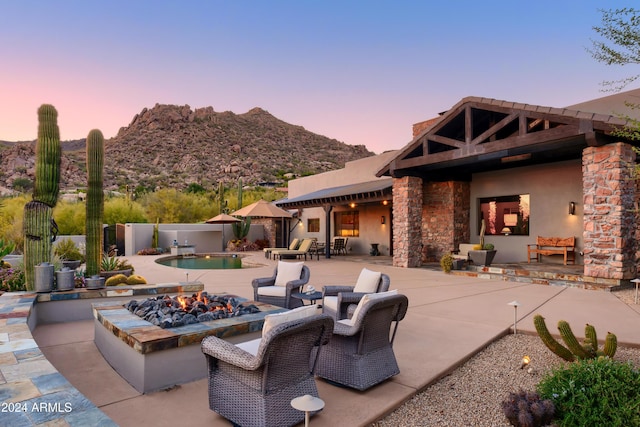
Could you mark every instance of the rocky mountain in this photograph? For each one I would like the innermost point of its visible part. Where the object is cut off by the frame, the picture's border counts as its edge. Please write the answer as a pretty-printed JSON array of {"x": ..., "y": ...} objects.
[{"x": 173, "y": 146}]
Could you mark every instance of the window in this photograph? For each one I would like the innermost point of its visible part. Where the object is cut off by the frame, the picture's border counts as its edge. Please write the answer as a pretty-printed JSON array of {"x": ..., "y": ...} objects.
[
  {"x": 505, "y": 215},
  {"x": 313, "y": 225},
  {"x": 347, "y": 224}
]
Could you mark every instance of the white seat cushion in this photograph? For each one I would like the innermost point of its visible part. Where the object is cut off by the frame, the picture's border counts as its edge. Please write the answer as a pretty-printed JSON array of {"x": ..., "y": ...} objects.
[
  {"x": 330, "y": 302},
  {"x": 367, "y": 281},
  {"x": 371, "y": 297},
  {"x": 272, "y": 320},
  {"x": 250, "y": 346},
  {"x": 272, "y": 291},
  {"x": 288, "y": 271}
]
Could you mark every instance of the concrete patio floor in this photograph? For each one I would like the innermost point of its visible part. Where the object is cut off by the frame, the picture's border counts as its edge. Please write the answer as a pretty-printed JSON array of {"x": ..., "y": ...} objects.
[{"x": 450, "y": 318}]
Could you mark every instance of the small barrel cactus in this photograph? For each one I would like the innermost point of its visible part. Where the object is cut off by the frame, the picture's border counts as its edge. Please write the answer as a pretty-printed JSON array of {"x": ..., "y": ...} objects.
[{"x": 527, "y": 409}]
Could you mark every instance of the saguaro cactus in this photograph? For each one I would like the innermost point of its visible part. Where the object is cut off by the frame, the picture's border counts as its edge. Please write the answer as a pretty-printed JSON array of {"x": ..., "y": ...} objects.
[
  {"x": 39, "y": 228},
  {"x": 95, "y": 201}
]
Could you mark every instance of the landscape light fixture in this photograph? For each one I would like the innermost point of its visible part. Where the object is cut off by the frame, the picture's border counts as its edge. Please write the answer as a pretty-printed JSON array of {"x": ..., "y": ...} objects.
[
  {"x": 515, "y": 305},
  {"x": 525, "y": 361},
  {"x": 572, "y": 208},
  {"x": 307, "y": 403}
]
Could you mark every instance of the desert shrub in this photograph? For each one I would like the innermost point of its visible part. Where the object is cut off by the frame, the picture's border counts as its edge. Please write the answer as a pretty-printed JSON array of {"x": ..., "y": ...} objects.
[
  {"x": 262, "y": 243},
  {"x": 594, "y": 392},
  {"x": 22, "y": 184},
  {"x": 172, "y": 206},
  {"x": 70, "y": 217},
  {"x": 150, "y": 251},
  {"x": 446, "y": 262},
  {"x": 112, "y": 263},
  {"x": 119, "y": 210},
  {"x": 66, "y": 249},
  {"x": 11, "y": 214},
  {"x": 12, "y": 278}
]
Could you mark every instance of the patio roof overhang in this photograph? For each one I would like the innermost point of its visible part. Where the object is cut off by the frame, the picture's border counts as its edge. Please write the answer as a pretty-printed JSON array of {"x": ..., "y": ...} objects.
[
  {"x": 481, "y": 134},
  {"x": 364, "y": 192}
]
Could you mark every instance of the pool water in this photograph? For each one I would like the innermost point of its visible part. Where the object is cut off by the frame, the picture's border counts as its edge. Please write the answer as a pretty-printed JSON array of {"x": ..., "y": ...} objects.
[{"x": 203, "y": 262}]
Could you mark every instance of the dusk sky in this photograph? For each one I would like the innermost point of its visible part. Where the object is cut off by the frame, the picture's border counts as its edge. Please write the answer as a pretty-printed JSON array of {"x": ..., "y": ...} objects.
[{"x": 361, "y": 72}]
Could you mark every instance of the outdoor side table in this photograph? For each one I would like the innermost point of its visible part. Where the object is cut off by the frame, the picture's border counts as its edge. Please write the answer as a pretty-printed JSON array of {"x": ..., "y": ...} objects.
[{"x": 312, "y": 297}]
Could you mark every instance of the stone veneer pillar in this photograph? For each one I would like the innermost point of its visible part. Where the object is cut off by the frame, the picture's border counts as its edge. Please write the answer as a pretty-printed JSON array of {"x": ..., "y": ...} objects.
[
  {"x": 407, "y": 220},
  {"x": 269, "y": 226},
  {"x": 609, "y": 196},
  {"x": 445, "y": 217}
]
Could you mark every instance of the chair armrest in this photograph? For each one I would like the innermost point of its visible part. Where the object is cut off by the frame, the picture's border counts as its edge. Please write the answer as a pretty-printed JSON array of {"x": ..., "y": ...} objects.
[
  {"x": 229, "y": 353},
  {"x": 350, "y": 297},
  {"x": 263, "y": 281},
  {"x": 334, "y": 290},
  {"x": 293, "y": 284}
]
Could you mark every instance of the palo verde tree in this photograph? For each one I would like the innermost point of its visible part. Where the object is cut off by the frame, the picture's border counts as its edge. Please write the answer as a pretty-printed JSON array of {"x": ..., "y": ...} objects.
[{"x": 39, "y": 228}]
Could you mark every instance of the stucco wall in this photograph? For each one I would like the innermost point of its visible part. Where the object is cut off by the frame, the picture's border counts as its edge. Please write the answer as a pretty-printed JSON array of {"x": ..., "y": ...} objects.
[{"x": 551, "y": 187}]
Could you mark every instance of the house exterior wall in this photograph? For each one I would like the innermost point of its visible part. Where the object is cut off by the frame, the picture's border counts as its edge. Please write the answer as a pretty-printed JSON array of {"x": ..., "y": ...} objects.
[{"x": 551, "y": 187}]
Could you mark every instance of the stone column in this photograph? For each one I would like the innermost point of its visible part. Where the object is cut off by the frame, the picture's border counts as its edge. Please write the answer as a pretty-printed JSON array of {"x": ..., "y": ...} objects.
[
  {"x": 609, "y": 196},
  {"x": 445, "y": 218},
  {"x": 407, "y": 220}
]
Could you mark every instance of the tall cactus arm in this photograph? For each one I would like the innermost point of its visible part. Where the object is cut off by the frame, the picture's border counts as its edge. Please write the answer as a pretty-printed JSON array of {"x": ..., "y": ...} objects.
[
  {"x": 570, "y": 340},
  {"x": 591, "y": 338},
  {"x": 551, "y": 342}
]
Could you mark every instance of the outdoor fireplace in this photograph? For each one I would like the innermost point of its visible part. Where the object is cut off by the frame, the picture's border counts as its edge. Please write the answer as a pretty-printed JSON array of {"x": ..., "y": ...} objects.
[{"x": 172, "y": 312}]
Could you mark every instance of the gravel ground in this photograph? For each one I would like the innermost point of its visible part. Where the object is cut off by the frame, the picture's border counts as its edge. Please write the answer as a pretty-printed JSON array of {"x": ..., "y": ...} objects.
[{"x": 473, "y": 393}]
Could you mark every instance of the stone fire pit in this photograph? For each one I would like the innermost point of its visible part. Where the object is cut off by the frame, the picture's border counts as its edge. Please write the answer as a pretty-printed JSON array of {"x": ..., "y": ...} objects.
[{"x": 151, "y": 358}]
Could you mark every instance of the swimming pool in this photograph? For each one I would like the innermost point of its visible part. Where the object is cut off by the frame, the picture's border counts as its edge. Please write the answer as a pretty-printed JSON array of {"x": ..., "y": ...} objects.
[{"x": 203, "y": 262}]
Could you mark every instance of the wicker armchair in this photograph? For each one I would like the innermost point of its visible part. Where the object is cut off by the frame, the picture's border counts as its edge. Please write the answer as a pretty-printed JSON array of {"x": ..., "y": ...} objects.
[
  {"x": 360, "y": 353},
  {"x": 257, "y": 389},
  {"x": 340, "y": 300},
  {"x": 266, "y": 290}
]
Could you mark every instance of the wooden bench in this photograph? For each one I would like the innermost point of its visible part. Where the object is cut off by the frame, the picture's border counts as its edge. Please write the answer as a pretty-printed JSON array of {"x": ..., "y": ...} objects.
[
  {"x": 548, "y": 246},
  {"x": 463, "y": 251}
]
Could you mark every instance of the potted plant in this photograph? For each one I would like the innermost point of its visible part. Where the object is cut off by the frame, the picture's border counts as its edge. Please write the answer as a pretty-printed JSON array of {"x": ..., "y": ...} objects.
[
  {"x": 484, "y": 254},
  {"x": 110, "y": 266},
  {"x": 69, "y": 254}
]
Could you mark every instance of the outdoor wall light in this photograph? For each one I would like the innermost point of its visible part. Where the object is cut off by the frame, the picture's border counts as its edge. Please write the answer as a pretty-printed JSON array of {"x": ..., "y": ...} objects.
[
  {"x": 352, "y": 205},
  {"x": 385, "y": 202},
  {"x": 383, "y": 220},
  {"x": 572, "y": 208}
]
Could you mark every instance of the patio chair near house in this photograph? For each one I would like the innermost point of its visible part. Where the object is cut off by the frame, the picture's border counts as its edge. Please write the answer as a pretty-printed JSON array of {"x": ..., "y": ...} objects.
[
  {"x": 339, "y": 246},
  {"x": 360, "y": 353},
  {"x": 294, "y": 245},
  {"x": 303, "y": 250},
  {"x": 253, "y": 383},
  {"x": 340, "y": 301},
  {"x": 287, "y": 277}
]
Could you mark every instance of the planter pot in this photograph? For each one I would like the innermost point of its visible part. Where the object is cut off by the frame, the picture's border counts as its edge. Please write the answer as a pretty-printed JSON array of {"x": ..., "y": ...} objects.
[
  {"x": 65, "y": 279},
  {"x": 71, "y": 264},
  {"x": 482, "y": 257},
  {"x": 43, "y": 277},
  {"x": 94, "y": 282},
  {"x": 107, "y": 274}
]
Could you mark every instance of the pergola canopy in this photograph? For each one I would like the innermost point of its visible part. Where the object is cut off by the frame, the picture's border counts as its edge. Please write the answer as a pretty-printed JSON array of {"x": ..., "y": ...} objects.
[
  {"x": 481, "y": 134},
  {"x": 371, "y": 191}
]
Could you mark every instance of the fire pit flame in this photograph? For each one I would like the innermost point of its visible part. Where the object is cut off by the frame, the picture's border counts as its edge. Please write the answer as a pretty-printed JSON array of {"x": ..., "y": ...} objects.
[{"x": 170, "y": 312}]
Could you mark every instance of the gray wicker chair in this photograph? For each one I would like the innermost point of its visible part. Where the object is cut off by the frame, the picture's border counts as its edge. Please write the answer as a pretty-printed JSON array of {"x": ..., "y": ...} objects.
[
  {"x": 281, "y": 301},
  {"x": 256, "y": 390},
  {"x": 347, "y": 300},
  {"x": 361, "y": 355}
]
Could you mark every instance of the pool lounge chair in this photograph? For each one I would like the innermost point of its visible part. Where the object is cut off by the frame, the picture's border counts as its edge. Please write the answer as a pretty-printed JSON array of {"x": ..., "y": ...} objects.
[
  {"x": 303, "y": 250},
  {"x": 293, "y": 246}
]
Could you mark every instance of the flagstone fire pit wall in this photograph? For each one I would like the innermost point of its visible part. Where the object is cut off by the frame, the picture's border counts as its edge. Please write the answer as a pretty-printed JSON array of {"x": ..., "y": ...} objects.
[{"x": 27, "y": 379}]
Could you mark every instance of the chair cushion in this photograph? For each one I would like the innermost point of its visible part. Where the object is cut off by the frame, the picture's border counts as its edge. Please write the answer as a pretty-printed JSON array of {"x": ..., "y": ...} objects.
[
  {"x": 272, "y": 291},
  {"x": 250, "y": 346},
  {"x": 272, "y": 320},
  {"x": 371, "y": 297},
  {"x": 288, "y": 271},
  {"x": 367, "y": 281},
  {"x": 331, "y": 303}
]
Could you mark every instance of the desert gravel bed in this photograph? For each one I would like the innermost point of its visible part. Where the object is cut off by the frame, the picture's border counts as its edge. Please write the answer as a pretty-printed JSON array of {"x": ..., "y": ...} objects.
[{"x": 472, "y": 394}]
